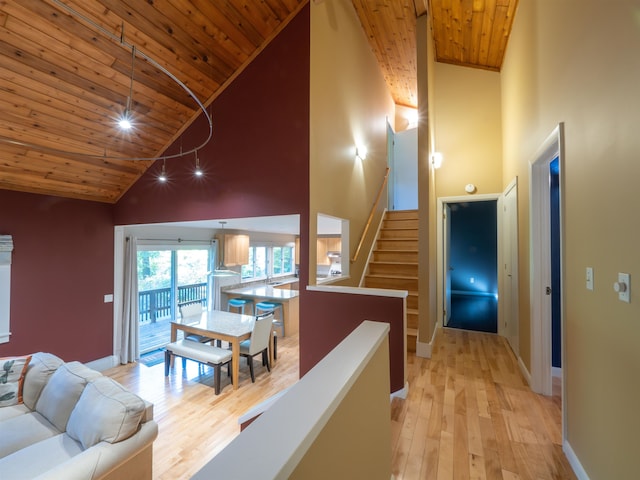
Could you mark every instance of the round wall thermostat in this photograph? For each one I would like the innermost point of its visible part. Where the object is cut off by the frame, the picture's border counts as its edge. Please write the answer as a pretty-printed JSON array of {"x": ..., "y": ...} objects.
[{"x": 470, "y": 188}]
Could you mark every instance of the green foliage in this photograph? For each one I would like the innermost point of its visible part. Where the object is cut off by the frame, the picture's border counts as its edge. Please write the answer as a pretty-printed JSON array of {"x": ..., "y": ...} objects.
[{"x": 154, "y": 268}]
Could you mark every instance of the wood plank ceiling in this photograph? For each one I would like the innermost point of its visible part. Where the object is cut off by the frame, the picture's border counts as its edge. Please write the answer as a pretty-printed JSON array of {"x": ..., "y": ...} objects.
[{"x": 65, "y": 79}]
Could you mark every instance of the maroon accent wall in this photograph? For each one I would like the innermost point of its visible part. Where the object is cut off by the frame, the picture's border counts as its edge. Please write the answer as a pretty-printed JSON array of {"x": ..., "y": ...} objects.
[
  {"x": 329, "y": 317},
  {"x": 257, "y": 162},
  {"x": 62, "y": 266}
]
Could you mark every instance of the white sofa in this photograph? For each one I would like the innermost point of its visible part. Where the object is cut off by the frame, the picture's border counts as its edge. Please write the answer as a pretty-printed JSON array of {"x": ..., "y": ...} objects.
[{"x": 75, "y": 423}]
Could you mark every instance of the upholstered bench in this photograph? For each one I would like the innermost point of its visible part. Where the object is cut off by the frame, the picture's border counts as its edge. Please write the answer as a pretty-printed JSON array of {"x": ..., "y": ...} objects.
[{"x": 198, "y": 352}]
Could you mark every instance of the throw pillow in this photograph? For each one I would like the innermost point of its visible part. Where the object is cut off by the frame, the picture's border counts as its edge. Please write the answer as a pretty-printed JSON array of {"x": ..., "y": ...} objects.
[
  {"x": 106, "y": 411},
  {"x": 12, "y": 372},
  {"x": 62, "y": 391}
]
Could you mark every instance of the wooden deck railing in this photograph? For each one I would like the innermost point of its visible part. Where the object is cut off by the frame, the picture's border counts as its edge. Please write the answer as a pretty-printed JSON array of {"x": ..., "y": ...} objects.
[
  {"x": 370, "y": 219},
  {"x": 156, "y": 304}
]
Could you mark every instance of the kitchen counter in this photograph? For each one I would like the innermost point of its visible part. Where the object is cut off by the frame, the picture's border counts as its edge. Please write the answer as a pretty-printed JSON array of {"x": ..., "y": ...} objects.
[
  {"x": 264, "y": 292},
  {"x": 288, "y": 298}
]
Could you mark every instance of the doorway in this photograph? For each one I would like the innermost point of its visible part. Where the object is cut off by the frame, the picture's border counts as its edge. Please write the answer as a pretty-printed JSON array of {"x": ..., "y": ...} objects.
[
  {"x": 556, "y": 282},
  {"x": 544, "y": 207},
  {"x": 469, "y": 268},
  {"x": 168, "y": 276}
]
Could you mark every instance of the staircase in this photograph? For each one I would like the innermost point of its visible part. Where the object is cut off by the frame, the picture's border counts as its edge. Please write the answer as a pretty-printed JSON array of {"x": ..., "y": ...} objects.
[{"x": 394, "y": 263}]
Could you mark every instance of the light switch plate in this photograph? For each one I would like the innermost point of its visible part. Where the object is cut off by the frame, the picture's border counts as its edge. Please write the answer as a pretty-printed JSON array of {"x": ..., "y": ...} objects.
[
  {"x": 108, "y": 298},
  {"x": 589, "y": 278}
]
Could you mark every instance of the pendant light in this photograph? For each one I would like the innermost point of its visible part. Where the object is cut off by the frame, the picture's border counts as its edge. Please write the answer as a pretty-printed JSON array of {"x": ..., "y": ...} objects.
[{"x": 223, "y": 271}]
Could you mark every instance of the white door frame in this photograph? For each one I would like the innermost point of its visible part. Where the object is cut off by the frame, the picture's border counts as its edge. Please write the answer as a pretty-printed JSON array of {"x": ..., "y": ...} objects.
[
  {"x": 508, "y": 270},
  {"x": 540, "y": 262},
  {"x": 440, "y": 267}
]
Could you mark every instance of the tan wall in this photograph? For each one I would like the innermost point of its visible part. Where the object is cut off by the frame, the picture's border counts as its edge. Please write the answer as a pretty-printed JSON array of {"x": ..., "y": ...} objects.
[
  {"x": 465, "y": 126},
  {"x": 356, "y": 440},
  {"x": 577, "y": 63},
  {"x": 349, "y": 104},
  {"x": 426, "y": 186},
  {"x": 468, "y": 130}
]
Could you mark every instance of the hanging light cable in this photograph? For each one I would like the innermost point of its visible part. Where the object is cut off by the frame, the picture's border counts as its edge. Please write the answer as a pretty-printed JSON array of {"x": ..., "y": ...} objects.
[
  {"x": 125, "y": 120},
  {"x": 163, "y": 173},
  {"x": 150, "y": 61},
  {"x": 198, "y": 170}
]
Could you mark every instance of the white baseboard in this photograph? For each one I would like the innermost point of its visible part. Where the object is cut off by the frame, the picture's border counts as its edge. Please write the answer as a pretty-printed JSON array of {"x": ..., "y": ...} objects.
[
  {"x": 523, "y": 369},
  {"x": 102, "y": 364},
  {"x": 424, "y": 350},
  {"x": 556, "y": 372},
  {"x": 574, "y": 462},
  {"x": 402, "y": 393}
]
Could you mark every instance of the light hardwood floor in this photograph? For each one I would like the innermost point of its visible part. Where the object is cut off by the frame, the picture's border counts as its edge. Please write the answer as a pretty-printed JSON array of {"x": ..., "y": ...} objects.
[
  {"x": 469, "y": 413},
  {"x": 194, "y": 424}
]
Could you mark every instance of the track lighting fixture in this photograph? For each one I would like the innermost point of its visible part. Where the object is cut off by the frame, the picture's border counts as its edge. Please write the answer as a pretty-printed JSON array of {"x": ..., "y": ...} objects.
[
  {"x": 163, "y": 173},
  {"x": 198, "y": 171}
]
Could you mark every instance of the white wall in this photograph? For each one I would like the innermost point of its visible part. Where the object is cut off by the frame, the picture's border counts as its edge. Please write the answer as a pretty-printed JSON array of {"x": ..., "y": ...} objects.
[{"x": 405, "y": 171}]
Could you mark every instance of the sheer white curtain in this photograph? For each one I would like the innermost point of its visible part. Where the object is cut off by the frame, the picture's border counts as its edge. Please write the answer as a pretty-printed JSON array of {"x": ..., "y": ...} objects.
[{"x": 128, "y": 331}]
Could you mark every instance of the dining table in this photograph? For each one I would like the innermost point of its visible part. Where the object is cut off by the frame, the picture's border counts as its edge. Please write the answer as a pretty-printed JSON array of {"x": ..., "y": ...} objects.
[{"x": 220, "y": 325}]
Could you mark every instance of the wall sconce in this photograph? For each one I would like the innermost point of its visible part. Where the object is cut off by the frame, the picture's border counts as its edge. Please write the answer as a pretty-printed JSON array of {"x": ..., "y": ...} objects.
[
  {"x": 436, "y": 159},
  {"x": 412, "y": 118},
  {"x": 361, "y": 153}
]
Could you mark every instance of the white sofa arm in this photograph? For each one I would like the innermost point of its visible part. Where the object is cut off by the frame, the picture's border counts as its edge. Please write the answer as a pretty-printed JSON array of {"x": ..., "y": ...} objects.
[{"x": 130, "y": 458}]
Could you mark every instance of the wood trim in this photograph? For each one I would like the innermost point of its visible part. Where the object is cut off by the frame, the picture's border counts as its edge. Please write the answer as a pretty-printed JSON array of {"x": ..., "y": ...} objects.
[{"x": 370, "y": 219}]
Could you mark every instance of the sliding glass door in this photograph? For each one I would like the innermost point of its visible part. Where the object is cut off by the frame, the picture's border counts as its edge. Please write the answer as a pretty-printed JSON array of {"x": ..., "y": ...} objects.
[{"x": 169, "y": 276}]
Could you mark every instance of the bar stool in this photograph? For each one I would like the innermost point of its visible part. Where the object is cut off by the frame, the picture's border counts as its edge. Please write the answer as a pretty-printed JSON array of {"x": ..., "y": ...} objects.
[
  {"x": 272, "y": 307},
  {"x": 240, "y": 303}
]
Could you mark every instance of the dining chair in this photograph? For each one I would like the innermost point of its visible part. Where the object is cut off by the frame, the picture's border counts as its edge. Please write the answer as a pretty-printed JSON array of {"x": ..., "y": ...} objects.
[
  {"x": 272, "y": 307},
  {"x": 258, "y": 343},
  {"x": 193, "y": 310}
]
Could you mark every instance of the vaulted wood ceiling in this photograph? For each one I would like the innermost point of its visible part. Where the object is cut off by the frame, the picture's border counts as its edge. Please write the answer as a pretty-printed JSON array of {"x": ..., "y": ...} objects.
[{"x": 65, "y": 78}]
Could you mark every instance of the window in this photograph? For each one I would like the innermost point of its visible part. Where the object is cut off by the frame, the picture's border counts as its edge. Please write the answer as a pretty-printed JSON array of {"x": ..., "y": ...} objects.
[
  {"x": 6, "y": 247},
  {"x": 257, "y": 266},
  {"x": 268, "y": 261},
  {"x": 282, "y": 260},
  {"x": 167, "y": 277}
]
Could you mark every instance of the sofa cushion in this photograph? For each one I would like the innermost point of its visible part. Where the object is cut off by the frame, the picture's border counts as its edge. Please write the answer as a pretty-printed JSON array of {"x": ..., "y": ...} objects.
[
  {"x": 20, "y": 432},
  {"x": 40, "y": 457},
  {"x": 12, "y": 372},
  {"x": 41, "y": 367},
  {"x": 106, "y": 411},
  {"x": 13, "y": 411},
  {"x": 62, "y": 391}
]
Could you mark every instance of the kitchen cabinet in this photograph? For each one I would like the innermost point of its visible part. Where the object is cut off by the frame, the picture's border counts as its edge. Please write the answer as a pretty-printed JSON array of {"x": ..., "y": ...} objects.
[
  {"x": 297, "y": 248},
  {"x": 236, "y": 250},
  {"x": 325, "y": 245}
]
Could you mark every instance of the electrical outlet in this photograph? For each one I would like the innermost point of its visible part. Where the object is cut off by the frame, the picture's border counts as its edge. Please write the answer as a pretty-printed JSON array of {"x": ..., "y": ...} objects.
[{"x": 623, "y": 287}]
